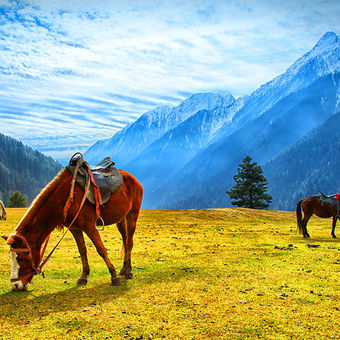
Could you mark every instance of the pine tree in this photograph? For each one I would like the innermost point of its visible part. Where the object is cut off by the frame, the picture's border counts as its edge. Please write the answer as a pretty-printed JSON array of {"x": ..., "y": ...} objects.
[
  {"x": 250, "y": 186},
  {"x": 17, "y": 200}
]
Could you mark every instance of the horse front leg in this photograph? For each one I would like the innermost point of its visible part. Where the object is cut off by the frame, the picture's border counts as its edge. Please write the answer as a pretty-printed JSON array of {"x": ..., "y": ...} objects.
[
  {"x": 79, "y": 237},
  {"x": 333, "y": 226},
  {"x": 93, "y": 234}
]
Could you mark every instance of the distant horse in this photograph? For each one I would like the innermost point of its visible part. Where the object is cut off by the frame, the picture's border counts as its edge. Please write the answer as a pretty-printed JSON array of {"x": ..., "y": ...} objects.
[
  {"x": 319, "y": 205},
  {"x": 47, "y": 212},
  {"x": 3, "y": 213}
]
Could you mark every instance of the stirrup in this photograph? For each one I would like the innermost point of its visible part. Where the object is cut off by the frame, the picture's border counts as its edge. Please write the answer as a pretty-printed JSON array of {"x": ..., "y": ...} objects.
[{"x": 102, "y": 221}]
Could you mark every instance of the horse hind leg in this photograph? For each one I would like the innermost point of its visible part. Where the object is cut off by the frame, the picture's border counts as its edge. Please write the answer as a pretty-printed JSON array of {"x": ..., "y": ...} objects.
[
  {"x": 304, "y": 225},
  {"x": 307, "y": 213},
  {"x": 127, "y": 228},
  {"x": 79, "y": 237},
  {"x": 122, "y": 227},
  {"x": 333, "y": 226},
  {"x": 93, "y": 234}
]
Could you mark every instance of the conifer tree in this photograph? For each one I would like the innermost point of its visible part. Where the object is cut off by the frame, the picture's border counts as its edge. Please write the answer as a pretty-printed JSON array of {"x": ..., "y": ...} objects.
[
  {"x": 250, "y": 186},
  {"x": 17, "y": 200}
]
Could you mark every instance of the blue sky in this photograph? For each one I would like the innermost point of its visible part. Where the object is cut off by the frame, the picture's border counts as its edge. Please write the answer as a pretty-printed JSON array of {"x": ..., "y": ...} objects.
[{"x": 73, "y": 72}]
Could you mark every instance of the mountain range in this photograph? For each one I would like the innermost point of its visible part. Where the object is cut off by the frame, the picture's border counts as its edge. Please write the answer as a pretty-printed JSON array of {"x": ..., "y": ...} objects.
[{"x": 186, "y": 156}]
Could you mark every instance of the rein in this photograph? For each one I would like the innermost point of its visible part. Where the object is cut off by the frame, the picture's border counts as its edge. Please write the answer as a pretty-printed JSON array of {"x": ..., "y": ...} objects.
[{"x": 37, "y": 269}]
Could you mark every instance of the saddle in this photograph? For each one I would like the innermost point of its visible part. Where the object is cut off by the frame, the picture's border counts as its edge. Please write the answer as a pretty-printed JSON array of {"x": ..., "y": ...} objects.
[
  {"x": 106, "y": 177},
  {"x": 334, "y": 200}
]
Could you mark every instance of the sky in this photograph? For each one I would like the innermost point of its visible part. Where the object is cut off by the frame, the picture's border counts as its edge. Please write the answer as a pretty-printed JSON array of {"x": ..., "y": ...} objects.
[{"x": 73, "y": 72}]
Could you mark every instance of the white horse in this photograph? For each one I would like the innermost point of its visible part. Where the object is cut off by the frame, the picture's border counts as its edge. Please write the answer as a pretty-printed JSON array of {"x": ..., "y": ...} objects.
[{"x": 3, "y": 213}]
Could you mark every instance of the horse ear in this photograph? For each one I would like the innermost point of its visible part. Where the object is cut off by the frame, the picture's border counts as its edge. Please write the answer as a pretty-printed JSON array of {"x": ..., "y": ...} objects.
[{"x": 4, "y": 237}]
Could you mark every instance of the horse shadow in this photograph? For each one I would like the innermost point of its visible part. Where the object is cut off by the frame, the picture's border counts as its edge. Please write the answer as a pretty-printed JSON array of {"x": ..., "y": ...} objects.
[{"x": 27, "y": 305}]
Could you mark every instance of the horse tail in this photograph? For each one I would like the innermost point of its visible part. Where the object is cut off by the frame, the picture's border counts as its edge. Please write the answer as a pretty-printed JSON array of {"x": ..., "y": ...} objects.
[{"x": 299, "y": 217}]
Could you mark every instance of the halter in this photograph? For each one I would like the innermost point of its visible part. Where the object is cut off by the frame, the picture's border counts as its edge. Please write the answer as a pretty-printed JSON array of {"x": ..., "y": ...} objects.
[{"x": 37, "y": 268}]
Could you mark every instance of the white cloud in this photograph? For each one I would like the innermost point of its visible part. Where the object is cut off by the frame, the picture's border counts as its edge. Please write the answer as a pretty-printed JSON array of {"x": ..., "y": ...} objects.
[{"x": 85, "y": 69}]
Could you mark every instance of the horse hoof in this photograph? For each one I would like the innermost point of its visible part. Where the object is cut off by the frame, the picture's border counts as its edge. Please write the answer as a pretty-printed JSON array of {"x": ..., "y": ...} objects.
[
  {"x": 82, "y": 282},
  {"x": 129, "y": 276},
  {"x": 116, "y": 281}
]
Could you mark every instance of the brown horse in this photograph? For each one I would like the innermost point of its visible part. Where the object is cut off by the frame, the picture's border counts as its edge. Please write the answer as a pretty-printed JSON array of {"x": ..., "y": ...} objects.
[
  {"x": 317, "y": 206},
  {"x": 46, "y": 213},
  {"x": 3, "y": 213}
]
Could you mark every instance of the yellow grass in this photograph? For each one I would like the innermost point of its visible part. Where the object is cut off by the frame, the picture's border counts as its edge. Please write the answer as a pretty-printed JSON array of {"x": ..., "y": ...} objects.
[{"x": 199, "y": 274}]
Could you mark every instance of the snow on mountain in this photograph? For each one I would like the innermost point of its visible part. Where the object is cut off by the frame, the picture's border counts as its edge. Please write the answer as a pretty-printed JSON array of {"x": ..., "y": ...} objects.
[
  {"x": 129, "y": 142},
  {"x": 326, "y": 52},
  {"x": 267, "y": 122},
  {"x": 186, "y": 156},
  {"x": 181, "y": 143},
  {"x": 323, "y": 59}
]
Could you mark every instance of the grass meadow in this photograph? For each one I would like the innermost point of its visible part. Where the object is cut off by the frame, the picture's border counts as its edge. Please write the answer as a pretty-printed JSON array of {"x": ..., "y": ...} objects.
[{"x": 198, "y": 274}]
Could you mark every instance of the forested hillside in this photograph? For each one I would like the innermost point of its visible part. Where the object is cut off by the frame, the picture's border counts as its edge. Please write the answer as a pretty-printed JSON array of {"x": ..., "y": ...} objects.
[
  {"x": 23, "y": 169},
  {"x": 310, "y": 166}
]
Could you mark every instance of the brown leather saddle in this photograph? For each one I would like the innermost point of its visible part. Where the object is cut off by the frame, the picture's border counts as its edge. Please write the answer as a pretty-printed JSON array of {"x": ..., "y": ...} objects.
[
  {"x": 333, "y": 200},
  {"x": 107, "y": 178}
]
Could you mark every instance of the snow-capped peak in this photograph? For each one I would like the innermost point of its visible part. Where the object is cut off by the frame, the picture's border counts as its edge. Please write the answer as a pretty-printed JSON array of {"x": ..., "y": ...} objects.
[
  {"x": 323, "y": 59},
  {"x": 326, "y": 41},
  {"x": 327, "y": 49}
]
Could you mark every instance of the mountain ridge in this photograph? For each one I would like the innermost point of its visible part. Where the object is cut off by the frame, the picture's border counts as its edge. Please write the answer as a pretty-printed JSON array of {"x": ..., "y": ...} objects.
[
  {"x": 127, "y": 143},
  {"x": 259, "y": 138},
  {"x": 199, "y": 166}
]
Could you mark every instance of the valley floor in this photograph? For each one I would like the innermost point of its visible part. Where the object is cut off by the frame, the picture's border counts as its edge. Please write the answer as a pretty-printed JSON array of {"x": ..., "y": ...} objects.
[{"x": 198, "y": 274}]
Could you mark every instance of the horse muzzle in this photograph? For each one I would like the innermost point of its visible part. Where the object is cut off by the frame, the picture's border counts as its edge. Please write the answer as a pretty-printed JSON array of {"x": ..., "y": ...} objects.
[{"x": 18, "y": 286}]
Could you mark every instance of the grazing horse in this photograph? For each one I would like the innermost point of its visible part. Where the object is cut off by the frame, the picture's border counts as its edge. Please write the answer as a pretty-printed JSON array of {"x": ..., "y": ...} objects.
[
  {"x": 3, "y": 213},
  {"x": 319, "y": 205},
  {"x": 28, "y": 243}
]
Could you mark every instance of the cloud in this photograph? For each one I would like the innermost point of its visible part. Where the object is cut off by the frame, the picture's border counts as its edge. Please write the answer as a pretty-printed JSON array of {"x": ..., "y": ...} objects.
[{"x": 80, "y": 70}]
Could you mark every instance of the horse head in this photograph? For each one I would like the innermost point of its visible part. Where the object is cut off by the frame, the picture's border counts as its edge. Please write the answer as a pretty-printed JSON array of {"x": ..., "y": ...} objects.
[{"x": 22, "y": 262}]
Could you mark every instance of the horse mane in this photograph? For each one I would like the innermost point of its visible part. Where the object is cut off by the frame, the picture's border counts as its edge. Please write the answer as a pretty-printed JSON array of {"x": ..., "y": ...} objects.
[{"x": 39, "y": 201}]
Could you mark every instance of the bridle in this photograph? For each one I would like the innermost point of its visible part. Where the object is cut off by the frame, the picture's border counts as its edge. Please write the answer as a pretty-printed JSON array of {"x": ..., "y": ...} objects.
[
  {"x": 37, "y": 268},
  {"x": 28, "y": 250}
]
